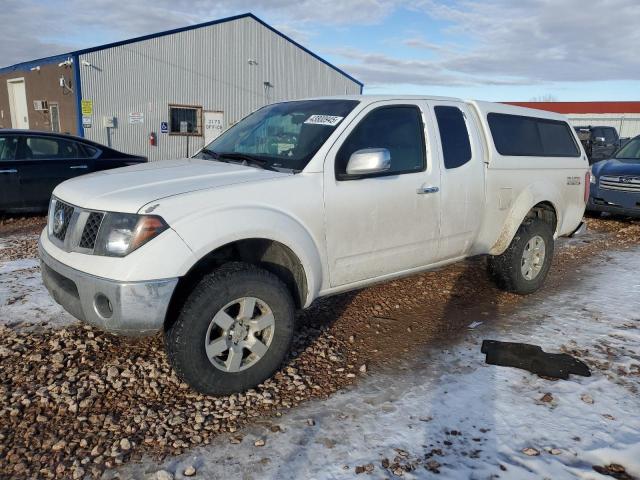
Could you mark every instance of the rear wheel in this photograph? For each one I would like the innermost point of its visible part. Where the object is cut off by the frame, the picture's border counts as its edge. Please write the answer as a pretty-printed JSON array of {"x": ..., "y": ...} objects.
[
  {"x": 523, "y": 267},
  {"x": 234, "y": 330}
]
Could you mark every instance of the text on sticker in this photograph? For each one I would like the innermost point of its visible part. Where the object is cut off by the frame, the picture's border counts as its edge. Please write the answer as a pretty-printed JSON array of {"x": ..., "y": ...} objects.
[{"x": 330, "y": 120}]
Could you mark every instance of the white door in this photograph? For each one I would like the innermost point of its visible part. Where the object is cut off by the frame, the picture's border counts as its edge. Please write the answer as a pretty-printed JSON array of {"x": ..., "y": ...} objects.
[
  {"x": 385, "y": 223},
  {"x": 18, "y": 103},
  {"x": 213, "y": 125},
  {"x": 462, "y": 178}
]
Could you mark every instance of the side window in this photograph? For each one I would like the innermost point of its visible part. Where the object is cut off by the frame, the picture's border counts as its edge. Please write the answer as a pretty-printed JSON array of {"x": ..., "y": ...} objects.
[
  {"x": 610, "y": 135},
  {"x": 86, "y": 151},
  {"x": 555, "y": 140},
  {"x": 453, "y": 136},
  {"x": 597, "y": 132},
  {"x": 8, "y": 147},
  {"x": 516, "y": 135},
  {"x": 44, "y": 148},
  {"x": 399, "y": 129}
]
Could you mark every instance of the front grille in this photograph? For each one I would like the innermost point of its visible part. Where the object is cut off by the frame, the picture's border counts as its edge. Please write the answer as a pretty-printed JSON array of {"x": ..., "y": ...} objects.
[
  {"x": 61, "y": 217},
  {"x": 90, "y": 232},
  {"x": 622, "y": 183}
]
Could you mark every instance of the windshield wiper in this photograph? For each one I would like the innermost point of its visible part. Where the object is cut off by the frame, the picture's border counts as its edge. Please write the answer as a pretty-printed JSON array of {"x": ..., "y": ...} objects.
[
  {"x": 243, "y": 157},
  {"x": 211, "y": 153}
]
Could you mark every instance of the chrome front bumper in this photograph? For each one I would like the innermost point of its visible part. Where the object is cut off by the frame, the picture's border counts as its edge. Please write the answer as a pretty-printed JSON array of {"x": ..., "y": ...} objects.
[{"x": 132, "y": 309}]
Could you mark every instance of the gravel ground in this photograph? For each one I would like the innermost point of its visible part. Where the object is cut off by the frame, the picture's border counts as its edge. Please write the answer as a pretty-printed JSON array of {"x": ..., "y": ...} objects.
[
  {"x": 19, "y": 236},
  {"x": 76, "y": 401}
]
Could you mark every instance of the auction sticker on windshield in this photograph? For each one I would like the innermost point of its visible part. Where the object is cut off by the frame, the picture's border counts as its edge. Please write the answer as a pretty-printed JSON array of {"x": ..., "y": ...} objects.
[{"x": 330, "y": 120}]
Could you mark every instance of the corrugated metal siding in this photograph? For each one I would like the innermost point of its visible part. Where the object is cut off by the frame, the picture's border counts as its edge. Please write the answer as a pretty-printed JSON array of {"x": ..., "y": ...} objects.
[
  {"x": 627, "y": 125},
  {"x": 206, "y": 67}
]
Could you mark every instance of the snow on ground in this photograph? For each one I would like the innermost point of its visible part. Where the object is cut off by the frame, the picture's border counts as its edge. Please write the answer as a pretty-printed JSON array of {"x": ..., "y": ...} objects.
[
  {"x": 479, "y": 416},
  {"x": 24, "y": 301}
]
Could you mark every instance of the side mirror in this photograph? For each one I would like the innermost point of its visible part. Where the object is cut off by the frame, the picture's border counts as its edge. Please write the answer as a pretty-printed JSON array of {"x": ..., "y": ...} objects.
[{"x": 369, "y": 160}]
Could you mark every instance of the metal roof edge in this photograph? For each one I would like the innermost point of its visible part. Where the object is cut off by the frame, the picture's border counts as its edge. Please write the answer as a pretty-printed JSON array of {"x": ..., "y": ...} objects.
[{"x": 27, "y": 65}]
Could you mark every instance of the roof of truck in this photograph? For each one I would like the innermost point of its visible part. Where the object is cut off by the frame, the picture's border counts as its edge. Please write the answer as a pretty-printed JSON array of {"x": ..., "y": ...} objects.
[
  {"x": 482, "y": 106},
  {"x": 378, "y": 98}
]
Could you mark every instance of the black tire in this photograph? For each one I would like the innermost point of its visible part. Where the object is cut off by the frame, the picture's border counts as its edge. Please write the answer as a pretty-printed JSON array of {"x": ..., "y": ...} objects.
[
  {"x": 185, "y": 338},
  {"x": 506, "y": 269}
]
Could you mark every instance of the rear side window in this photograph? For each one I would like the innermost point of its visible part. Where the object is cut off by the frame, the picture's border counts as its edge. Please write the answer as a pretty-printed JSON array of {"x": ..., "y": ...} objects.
[
  {"x": 515, "y": 135},
  {"x": 610, "y": 135},
  {"x": 398, "y": 129},
  {"x": 45, "y": 148},
  {"x": 453, "y": 136}
]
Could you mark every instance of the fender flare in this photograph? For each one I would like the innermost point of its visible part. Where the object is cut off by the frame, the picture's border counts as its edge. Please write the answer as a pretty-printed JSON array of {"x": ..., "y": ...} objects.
[
  {"x": 534, "y": 194},
  {"x": 220, "y": 227}
]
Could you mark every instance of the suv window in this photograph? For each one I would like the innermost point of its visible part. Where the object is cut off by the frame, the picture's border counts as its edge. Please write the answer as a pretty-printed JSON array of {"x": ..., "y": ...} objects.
[
  {"x": 399, "y": 129},
  {"x": 453, "y": 136},
  {"x": 8, "y": 148},
  {"x": 610, "y": 135},
  {"x": 45, "y": 148},
  {"x": 516, "y": 135}
]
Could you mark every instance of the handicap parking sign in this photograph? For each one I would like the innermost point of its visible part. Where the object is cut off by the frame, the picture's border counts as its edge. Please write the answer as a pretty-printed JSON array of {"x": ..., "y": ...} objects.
[{"x": 164, "y": 127}]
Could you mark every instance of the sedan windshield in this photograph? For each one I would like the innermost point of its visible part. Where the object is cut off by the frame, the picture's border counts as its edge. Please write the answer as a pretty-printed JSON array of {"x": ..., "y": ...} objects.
[
  {"x": 631, "y": 150},
  {"x": 282, "y": 136}
]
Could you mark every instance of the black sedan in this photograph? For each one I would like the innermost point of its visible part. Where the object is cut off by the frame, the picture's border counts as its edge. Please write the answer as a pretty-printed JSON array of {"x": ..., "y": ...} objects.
[
  {"x": 32, "y": 164},
  {"x": 615, "y": 183}
]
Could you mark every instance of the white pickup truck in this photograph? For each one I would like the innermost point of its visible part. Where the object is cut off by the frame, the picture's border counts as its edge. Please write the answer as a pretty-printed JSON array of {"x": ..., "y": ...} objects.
[{"x": 305, "y": 199}]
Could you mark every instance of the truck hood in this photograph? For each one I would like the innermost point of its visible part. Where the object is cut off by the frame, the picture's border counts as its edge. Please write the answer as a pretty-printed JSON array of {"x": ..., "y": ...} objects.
[
  {"x": 128, "y": 189},
  {"x": 616, "y": 167}
]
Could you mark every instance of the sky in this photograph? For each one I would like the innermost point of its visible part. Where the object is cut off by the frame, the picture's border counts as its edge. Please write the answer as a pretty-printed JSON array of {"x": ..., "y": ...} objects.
[{"x": 501, "y": 50}]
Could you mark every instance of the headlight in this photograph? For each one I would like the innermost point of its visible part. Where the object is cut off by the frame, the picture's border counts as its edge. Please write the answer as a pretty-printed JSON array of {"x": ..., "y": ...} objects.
[
  {"x": 593, "y": 177},
  {"x": 122, "y": 233},
  {"x": 52, "y": 209}
]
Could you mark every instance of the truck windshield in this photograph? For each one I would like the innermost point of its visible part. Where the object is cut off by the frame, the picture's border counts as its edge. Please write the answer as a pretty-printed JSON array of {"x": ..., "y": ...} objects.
[
  {"x": 631, "y": 150},
  {"x": 282, "y": 136}
]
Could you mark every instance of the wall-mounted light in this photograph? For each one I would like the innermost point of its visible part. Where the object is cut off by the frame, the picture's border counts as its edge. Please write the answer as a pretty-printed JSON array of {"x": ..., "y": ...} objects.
[
  {"x": 64, "y": 86},
  {"x": 35, "y": 69},
  {"x": 252, "y": 61},
  {"x": 268, "y": 85},
  {"x": 86, "y": 64},
  {"x": 67, "y": 63}
]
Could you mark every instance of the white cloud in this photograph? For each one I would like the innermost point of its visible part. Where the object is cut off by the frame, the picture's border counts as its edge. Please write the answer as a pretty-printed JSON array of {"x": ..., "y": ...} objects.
[
  {"x": 545, "y": 40},
  {"x": 28, "y": 25},
  {"x": 486, "y": 42}
]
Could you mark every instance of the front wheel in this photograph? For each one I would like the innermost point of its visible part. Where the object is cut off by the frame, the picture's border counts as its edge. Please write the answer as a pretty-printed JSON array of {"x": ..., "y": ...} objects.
[
  {"x": 233, "y": 332},
  {"x": 523, "y": 267}
]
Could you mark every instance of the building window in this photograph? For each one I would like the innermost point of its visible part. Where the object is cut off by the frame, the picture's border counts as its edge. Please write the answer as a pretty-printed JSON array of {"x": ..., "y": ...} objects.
[{"x": 185, "y": 120}]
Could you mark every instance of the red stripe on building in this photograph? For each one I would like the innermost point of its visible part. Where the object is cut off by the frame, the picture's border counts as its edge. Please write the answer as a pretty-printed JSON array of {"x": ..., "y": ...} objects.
[{"x": 582, "y": 107}]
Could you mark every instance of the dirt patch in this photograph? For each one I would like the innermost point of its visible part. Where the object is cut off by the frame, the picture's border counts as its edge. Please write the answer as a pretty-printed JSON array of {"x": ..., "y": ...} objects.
[
  {"x": 25, "y": 225},
  {"x": 78, "y": 400}
]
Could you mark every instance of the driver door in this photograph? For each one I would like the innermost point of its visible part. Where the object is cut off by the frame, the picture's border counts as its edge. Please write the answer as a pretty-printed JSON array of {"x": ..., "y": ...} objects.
[{"x": 384, "y": 223}]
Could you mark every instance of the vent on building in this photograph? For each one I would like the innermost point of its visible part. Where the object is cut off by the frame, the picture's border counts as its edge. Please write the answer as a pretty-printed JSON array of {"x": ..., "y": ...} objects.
[{"x": 40, "y": 105}]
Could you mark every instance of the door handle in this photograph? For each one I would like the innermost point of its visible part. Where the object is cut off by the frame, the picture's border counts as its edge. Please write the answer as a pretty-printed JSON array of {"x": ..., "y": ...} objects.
[
  {"x": 78, "y": 166},
  {"x": 10, "y": 170},
  {"x": 424, "y": 190}
]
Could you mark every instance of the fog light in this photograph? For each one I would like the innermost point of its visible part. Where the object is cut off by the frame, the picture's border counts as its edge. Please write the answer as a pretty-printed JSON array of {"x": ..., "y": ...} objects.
[{"x": 103, "y": 306}]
